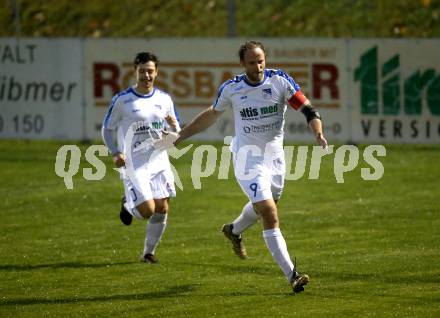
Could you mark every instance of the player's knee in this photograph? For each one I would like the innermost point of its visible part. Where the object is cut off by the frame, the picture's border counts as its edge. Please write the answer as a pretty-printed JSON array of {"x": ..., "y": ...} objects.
[
  {"x": 269, "y": 214},
  {"x": 145, "y": 210},
  {"x": 161, "y": 206},
  {"x": 145, "y": 213},
  {"x": 268, "y": 207},
  {"x": 161, "y": 210}
]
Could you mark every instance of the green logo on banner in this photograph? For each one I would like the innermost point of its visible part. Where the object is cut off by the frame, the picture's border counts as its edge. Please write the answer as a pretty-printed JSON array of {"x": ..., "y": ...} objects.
[{"x": 418, "y": 86}]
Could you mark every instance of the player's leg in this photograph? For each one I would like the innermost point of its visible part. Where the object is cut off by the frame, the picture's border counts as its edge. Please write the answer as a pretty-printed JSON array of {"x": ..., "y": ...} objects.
[
  {"x": 256, "y": 188},
  {"x": 125, "y": 216},
  {"x": 141, "y": 211},
  {"x": 234, "y": 230},
  {"x": 155, "y": 229},
  {"x": 276, "y": 244},
  {"x": 246, "y": 219},
  {"x": 162, "y": 186},
  {"x": 272, "y": 235},
  {"x": 248, "y": 216},
  {"x": 146, "y": 209},
  {"x": 274, "y": 239},
  {"x": 139, "y": 202},
  {"x": 138, "y": 199}
]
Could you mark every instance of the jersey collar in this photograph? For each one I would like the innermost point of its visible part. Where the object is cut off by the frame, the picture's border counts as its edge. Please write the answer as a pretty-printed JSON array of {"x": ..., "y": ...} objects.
[
  {"x": 255, "y": 84},
  {"x": 140, "y": 95}
]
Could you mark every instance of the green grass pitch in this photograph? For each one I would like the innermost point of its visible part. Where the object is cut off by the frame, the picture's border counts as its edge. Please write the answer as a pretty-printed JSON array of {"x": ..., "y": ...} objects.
[{"x": 371, "y": 248}]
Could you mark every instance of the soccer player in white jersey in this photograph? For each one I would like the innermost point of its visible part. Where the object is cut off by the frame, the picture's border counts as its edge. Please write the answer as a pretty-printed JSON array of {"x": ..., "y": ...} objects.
[
  {"x": 259, "y": 99},
  {"x": 139, "y": 115}
]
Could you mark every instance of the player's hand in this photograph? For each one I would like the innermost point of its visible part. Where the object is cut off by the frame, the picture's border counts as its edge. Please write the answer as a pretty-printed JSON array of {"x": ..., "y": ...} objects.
[
  {"x": 172, "y": 122},
  {"x": 119, "y": 160},
  {"x": 322, "y": 141}
]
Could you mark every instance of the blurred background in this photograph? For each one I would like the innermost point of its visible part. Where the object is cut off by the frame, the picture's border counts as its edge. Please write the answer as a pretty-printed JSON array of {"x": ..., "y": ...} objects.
[{"x": 215, "y": 18}]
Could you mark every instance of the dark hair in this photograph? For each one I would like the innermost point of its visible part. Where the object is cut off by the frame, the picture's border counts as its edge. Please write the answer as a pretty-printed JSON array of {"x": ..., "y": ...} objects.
[
  {"x": 144, "y": 57},
  {"x": 248, "y": 45}
]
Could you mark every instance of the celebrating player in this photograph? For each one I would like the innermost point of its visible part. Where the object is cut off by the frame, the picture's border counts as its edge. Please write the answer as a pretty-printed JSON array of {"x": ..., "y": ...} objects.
[
  {"x": 259, "y": 99},
  {"x": 140, "y": 114}
]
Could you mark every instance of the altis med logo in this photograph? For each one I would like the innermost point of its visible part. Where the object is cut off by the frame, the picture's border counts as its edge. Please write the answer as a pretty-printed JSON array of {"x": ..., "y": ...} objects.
[{"x": 395, "y": 107}]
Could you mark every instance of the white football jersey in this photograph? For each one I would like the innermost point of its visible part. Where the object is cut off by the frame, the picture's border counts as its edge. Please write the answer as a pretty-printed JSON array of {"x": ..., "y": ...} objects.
[
  {"x": 258, "y": 109},
  {"x": 143, "y": 118}
]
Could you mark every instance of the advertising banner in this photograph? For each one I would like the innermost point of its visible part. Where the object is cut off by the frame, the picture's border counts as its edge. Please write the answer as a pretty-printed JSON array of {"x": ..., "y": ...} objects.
[
  {"x": 191, "y": 70},
  {"x": 396, "y": 91},
  {"x": 367, "y": 91},
  {"x": 41, "y": 89}
]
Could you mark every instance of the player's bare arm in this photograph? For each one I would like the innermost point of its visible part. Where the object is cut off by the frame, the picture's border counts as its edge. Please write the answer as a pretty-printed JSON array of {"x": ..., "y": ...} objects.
[
  {"x": 202, "y": 121},
  {"x": 300, "y": 102},
  {"x": 316, "y": 126},
  {"x": 314, "y": 120}
]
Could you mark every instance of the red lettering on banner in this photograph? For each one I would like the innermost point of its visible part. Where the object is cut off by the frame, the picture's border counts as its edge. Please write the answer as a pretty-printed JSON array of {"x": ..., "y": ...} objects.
[
  {"x": 196, "y": 84},
  {"x": 105, "y": 74},
  {"x": 319, "y": 82}
]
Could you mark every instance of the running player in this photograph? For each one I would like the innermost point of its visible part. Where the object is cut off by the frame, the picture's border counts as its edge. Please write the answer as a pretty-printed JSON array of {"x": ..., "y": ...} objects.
[
  {"x": 259, "y": 99},
  {"x": 139, "y": 115}
]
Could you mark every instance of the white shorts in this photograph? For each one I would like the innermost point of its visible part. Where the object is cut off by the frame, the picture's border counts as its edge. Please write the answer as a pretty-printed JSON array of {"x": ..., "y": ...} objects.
[
  {"x": 261, "y": 180},
  {"x": 143, "y": 186}
]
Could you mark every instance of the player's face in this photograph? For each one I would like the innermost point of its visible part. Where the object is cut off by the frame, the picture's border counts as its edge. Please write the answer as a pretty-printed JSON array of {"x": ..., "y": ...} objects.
[
  {"x": 254, "y": 62},
  {"x": 145, "y": 75}
]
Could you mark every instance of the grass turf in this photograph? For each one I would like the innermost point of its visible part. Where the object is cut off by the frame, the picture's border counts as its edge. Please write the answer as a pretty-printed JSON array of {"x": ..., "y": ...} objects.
[{"x": 371, "y": 248}]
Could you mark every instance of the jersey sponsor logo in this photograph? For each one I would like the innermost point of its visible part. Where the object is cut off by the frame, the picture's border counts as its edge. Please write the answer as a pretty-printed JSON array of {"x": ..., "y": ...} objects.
[
  {"x": 267, "y": 93},
  {"x": 141, "y": 127},
  {"x": 269, "y": 109},
  {"x": 158, "y": 106},
  {"x": 157, "y": 125},
  {"x": 253, "y": 113},
  {"x": 256, "y": 129},
  {"x": 248, "y": 113}
]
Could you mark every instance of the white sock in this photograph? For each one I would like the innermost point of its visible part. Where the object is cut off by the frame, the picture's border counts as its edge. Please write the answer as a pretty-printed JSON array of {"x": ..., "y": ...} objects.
[
  {"x": 155, "y": 228},
  {"x": 277, "y": 246},
  {"x": 246, "y": 219}
]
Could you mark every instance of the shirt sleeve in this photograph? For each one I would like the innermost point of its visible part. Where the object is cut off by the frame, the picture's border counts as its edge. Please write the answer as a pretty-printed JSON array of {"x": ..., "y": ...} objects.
[
  {"x": 107, "y": 137},
  {"x": 222, "y": 101},
  {"x": 113, "y": 115},
  {"x": 172, "y": 111},
  {"x": 292, "y": 92}
]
